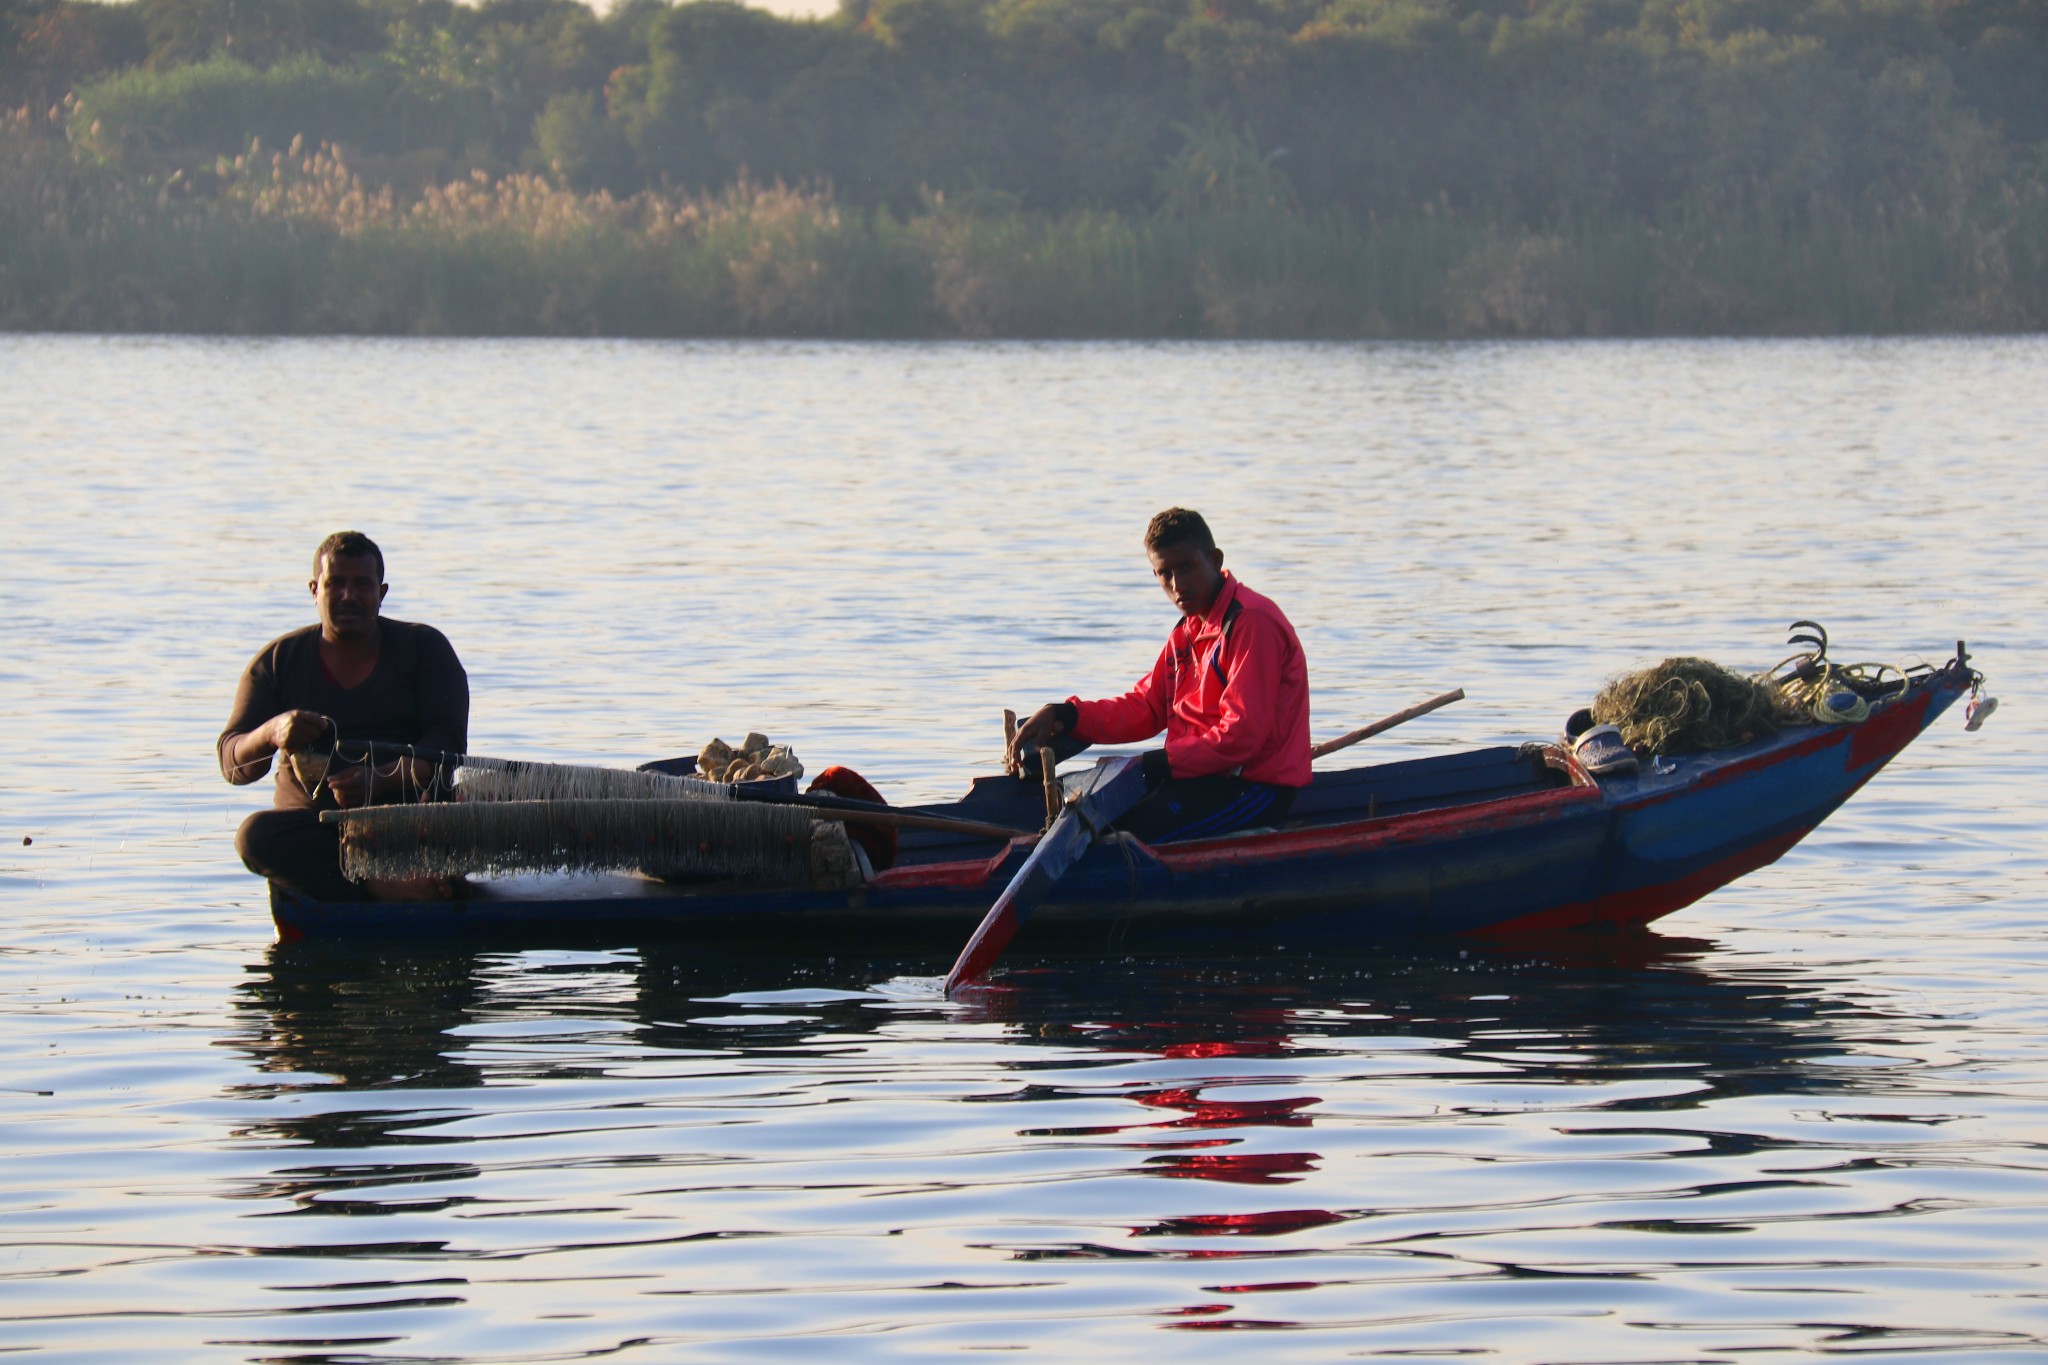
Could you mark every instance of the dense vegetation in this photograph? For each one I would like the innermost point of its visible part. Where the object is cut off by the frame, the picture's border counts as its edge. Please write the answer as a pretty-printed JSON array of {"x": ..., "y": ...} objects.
[{"x": 1095, "y": 167}]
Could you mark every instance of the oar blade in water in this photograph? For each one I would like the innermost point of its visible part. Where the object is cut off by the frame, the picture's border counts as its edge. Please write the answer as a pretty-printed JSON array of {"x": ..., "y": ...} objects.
[{"x": 1116, "y": 785}]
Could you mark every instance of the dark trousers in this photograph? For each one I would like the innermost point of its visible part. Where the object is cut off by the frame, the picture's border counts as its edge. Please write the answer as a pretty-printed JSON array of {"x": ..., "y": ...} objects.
[
  {"x": 1204, "y": 807},
  {"x": 293, "y": 849}
]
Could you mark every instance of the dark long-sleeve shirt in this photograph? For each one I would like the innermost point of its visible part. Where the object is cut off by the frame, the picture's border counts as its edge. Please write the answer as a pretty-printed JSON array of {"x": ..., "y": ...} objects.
[{"x": 417, "y": 694}]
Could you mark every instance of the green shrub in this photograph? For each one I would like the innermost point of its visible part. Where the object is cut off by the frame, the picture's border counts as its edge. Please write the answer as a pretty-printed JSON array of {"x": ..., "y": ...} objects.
[{"x": 217, "y": 106}]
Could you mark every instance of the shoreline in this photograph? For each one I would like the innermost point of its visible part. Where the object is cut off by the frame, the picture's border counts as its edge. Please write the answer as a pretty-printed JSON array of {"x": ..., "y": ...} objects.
[{"x": 295, "y": 244}]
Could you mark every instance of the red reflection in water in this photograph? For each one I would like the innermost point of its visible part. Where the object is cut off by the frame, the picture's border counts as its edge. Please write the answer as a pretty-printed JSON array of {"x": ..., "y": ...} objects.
[
  {"x": 1274, "y": 1287},
  {"x": 1200, "y": 1113},
  {"x": 1221, "y": 1113},
  {"x": 1238, "y": 1047},
  {"x": 1237, "y": 1168},
  {"x": 1270, "y": 1223}
]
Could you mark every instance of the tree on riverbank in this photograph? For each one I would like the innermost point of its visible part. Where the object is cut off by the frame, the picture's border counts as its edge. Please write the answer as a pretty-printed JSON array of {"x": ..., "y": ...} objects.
[{"x": 1043, "y": 167}]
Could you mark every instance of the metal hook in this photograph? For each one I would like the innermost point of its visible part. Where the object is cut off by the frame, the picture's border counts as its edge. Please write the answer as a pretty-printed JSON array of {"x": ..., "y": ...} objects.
[{"x": 1818, "y": 638}]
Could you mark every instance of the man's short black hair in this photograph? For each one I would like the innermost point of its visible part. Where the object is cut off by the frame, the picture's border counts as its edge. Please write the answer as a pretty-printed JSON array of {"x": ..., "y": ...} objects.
[
  {"x": 1179, "y": 526},
  {"x": 351, "y": 543}
]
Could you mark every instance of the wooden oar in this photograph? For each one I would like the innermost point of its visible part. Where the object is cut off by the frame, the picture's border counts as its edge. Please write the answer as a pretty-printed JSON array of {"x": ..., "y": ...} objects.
[
  {"x": 1331, "y": 746},
  {"x": 1114, "y": 787},
  {"x": 857, "y": 812}
]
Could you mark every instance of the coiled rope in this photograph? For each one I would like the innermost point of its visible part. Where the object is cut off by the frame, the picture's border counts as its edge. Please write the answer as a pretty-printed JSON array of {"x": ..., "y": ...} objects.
[{"x": 1832, "y": 693}]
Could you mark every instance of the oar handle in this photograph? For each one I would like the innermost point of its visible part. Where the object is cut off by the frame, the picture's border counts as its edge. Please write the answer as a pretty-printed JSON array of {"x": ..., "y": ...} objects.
[
  {"x": 1331, "y": 746},
  {"x": 851, "y": 808}
]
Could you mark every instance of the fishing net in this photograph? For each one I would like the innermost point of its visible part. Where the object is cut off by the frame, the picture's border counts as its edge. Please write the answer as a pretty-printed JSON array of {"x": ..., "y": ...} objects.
[
  {"x": 1685, "y": 705},
  {"x": 499, "y": 779},
  {"x": 665, "y": 838}
]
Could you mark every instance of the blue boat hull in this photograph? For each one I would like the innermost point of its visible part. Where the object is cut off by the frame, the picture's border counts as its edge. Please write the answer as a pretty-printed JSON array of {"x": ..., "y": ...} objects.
[{"x": 1513, "y": 840}]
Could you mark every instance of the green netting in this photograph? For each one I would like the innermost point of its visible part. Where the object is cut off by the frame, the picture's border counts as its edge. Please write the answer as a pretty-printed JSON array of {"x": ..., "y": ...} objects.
[{"x": 1684, "y": 705}]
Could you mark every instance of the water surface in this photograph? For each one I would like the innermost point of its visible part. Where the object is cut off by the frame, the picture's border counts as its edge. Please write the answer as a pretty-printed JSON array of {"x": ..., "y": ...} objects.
[{"x": 1807, "y": 1118}]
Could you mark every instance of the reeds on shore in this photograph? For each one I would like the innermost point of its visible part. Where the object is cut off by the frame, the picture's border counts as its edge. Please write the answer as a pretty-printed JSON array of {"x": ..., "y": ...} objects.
[{"x": 292, "y": 241}]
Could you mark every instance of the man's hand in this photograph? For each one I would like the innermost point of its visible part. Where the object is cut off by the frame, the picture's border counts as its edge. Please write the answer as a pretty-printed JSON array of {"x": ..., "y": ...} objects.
[
  {"x": 1047, "y": 723},
  {"x": 350, "y": 786},
  {"x": 296, "y": 730}
]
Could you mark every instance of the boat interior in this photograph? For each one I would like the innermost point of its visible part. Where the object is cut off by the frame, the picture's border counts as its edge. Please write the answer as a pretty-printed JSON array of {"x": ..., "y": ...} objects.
[{"x": 1378, "y": 791}]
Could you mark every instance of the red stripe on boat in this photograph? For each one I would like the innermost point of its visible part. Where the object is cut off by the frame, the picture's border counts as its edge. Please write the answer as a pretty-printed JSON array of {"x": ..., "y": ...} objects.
[
  {"x": 1391, "y": 831},
  {"x": 947, "y": 876}
]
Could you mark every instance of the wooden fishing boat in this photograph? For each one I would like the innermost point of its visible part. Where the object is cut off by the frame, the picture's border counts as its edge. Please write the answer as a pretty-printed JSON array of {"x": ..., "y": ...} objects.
[{"x": 1513, "y": 839}]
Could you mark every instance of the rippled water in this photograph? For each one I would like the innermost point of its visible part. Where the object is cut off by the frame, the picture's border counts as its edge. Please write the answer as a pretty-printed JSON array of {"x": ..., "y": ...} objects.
[{"x": 1807, "y": 1118}]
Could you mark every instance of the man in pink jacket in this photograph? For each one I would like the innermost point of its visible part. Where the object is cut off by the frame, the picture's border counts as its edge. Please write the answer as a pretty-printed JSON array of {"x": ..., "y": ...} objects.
[{"x": 1230, "y": 690}]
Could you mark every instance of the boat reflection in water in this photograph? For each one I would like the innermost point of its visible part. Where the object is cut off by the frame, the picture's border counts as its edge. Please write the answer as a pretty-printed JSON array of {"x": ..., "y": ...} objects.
[
  {"x": 343, "y": 1016},
  {"x": 396, "y": 1037},
  {"x": 1449, "y": 1117}
]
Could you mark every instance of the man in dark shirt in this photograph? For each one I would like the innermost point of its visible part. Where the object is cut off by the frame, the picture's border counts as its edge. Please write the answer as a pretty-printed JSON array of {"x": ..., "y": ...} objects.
[{"x": 354, "y": 676}]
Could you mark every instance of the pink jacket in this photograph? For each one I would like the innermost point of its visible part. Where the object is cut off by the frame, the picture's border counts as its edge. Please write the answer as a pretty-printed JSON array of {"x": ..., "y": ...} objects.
[{"x": 1230, "y": 690}]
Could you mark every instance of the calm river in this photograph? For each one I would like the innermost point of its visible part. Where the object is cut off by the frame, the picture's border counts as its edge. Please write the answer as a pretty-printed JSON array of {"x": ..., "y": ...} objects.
[{"x": 1808, "y": 1118}]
